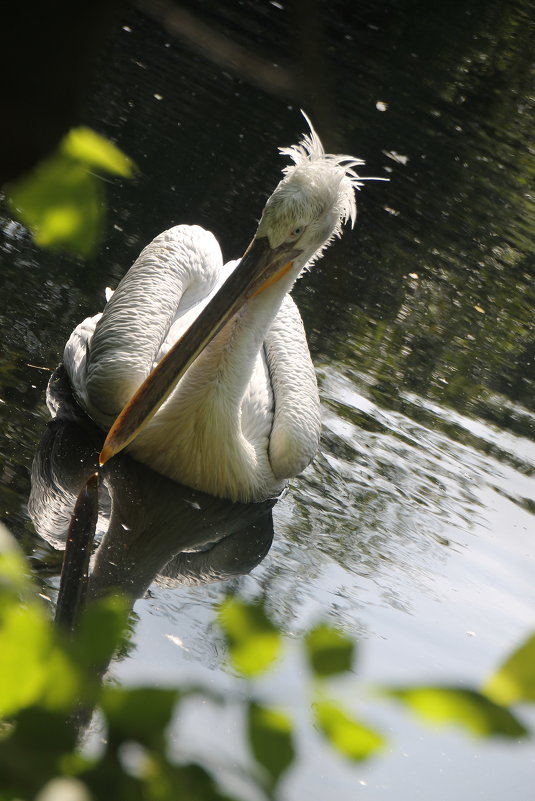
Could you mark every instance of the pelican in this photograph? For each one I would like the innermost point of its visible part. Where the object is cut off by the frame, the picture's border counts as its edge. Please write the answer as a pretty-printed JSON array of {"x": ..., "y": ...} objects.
[{"x": 205, "y": 365}]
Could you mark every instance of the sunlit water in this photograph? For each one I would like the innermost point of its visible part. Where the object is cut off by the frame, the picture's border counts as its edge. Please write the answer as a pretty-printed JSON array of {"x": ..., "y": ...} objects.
[
  {"x": 413, "y": 529},
  {"x": 418, "y": 545}
]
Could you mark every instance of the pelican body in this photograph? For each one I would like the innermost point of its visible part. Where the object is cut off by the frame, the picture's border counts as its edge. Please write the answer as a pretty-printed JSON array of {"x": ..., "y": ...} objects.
[{"x": 202, "y": 368}]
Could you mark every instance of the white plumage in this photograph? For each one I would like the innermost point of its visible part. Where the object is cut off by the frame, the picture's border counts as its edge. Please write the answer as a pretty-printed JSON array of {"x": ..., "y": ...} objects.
[{"x": 244, "y": 416}]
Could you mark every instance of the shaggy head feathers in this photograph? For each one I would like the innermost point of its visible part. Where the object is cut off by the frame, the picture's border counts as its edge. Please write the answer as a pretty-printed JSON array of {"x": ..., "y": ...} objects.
[{"x": 316, "y": 196}]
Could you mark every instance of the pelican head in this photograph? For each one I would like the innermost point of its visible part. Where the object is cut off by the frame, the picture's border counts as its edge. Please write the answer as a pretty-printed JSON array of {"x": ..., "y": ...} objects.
[
  {"x": 314, "y": 199},
  {"x": 306, "y": 211}
]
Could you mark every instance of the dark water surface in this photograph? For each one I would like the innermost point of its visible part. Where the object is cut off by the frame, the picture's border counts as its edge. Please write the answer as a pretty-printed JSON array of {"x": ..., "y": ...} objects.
[{"x": 413, "y": 530}]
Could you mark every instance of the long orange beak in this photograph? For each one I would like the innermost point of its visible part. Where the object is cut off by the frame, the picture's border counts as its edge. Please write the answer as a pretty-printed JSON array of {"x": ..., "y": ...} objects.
[{"x": 260, "y": 267}]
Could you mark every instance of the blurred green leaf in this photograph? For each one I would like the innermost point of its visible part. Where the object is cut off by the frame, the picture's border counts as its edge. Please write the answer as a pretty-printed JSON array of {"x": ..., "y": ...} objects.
[
  {"x": 271, "y": 740},
  {"x": 194, "y": 783},
  {"x": 329, "y": 651},
  {"x": 254, "y": 642},
  {"x": 34, "y": 751},
  {"x": 514, "y": 681},
  {"x": 349, "y": 737},
  {"x": 33, "y": 667},
  {"x": 467, "y": 708},
  {"x": 64, "y": 682},
  {"x": 25, "y": 642},
  {"x": 87, "y": 146},
  {"x": 107, "y": 779},
  {"x": 100, "y": 630},
  {"x": 61, "y": 203},
  {"x": 139, "y": 714}
]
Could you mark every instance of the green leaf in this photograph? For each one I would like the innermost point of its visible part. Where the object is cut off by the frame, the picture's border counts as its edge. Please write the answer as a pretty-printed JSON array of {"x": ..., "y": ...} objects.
[
  {"x": 138, "y": 714},
  {"x": 329, "y": 651},
  {"x": 25, "y": 642},
  {"x": 348, "y": 736},
  {"x": 467, "y": 708},
  {"x": 514, "y": 681},
  {"x": 108, "y": 779},
  {"x": 100, "y": 630},
  {"x": 33, "y": 667},
  {"x": 87, "y": 146},
  {"x": 63, "y": 685},
  {"x": 254, "y": 642},
  {"x": 271, "y": 740},
  {"x": 34, "y": 751},
  {"x": 194, "y": 783},
  {"x": 61, "y": 203}
]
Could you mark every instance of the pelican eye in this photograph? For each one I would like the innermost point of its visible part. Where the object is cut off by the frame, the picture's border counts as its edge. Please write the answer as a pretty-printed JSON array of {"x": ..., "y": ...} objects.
[{"x": 296, "y": 233}]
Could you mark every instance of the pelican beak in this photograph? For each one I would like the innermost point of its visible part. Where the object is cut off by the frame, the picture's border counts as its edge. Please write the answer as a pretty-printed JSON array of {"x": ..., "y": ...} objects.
[{"x": 260, "y": 267}]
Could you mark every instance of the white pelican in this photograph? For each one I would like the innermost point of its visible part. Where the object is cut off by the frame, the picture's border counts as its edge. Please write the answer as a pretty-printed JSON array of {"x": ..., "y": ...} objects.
[{"x": 229, "y": 401}]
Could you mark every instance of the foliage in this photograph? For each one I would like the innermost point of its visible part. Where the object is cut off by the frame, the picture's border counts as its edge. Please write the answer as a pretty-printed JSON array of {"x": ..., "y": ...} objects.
[
  {"x": 351, "y": 738},
  {"x": 514, "y": 681},
  {"x": 253, "y": 640},
  {"x": 467, "y": 708},
  {"x": 329, "y": 651},
  {"x": 62, "y": 201},
  {"x": 50, "y": 685},
  {"x": 271, "y": 741}
]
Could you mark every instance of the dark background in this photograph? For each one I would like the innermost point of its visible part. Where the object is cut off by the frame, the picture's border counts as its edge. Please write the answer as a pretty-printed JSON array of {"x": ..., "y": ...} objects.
[{"x": 433, "y": 291}]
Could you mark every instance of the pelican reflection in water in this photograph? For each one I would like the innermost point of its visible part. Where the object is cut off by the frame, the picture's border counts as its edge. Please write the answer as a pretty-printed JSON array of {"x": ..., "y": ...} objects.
[
  {"x": 209, "y": 360},
  {"x": 148, "y": 525}
]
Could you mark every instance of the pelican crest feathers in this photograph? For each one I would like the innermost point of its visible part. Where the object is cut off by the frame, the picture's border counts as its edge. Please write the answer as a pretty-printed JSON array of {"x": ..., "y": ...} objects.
[
  {"x": 310, "y": 153},
  {"x": 316, "y": 192}
]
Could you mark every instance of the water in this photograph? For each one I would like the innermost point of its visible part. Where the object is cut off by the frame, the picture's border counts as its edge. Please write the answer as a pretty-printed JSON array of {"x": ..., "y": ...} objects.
[{"x": 413, "y": 529}]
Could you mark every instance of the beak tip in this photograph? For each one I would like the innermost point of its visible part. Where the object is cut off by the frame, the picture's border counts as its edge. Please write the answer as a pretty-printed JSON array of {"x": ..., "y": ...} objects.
[{"x": 105, "y": 454}]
